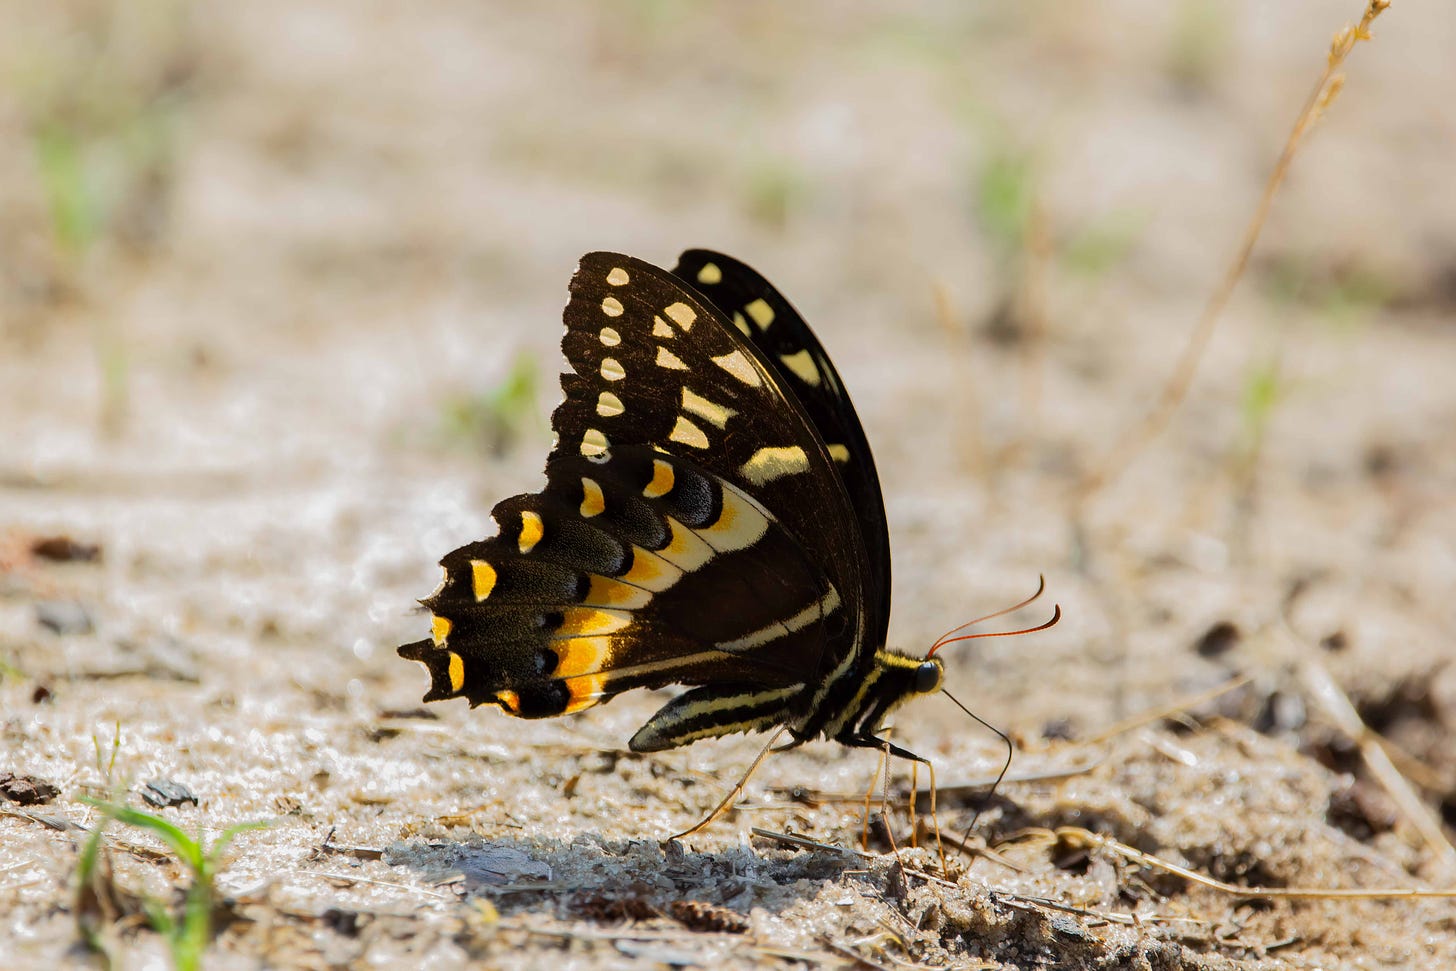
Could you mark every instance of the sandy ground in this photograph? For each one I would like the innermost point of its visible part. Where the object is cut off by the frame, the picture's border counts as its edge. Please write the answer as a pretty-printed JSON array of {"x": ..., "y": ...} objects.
[{"x": 270, "y": 272}]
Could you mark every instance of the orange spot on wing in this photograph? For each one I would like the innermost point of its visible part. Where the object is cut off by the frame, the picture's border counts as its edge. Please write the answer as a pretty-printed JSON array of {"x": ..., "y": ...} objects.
[
  {"x": 650, "y": 571},
  {"x": 585, "y": 691},
  {"x": 580, "y": 656},
  {"x": 590, "y": 622},
  {"x": 606, "y": 592},
  {"x": 482, "y": 578}
]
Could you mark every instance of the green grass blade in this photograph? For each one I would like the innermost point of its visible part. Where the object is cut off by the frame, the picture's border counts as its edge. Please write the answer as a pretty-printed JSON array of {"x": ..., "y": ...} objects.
[
  {"x": 186, "y": 848},
  {"x": 228, "y": 835}
]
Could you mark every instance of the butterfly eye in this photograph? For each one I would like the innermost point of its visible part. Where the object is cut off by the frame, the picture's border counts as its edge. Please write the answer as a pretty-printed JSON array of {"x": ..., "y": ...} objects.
[{"x": 927, "y": 678}]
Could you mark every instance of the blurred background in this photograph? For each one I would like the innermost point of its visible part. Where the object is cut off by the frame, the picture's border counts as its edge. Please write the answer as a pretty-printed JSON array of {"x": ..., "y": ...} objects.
[
  {"x": 280, "y": 293},
  {"x": 252, "y": 252}
]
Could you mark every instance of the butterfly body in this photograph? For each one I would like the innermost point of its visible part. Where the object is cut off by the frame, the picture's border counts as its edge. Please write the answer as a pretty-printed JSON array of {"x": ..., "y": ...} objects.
[{"x": 711, "y": 517}]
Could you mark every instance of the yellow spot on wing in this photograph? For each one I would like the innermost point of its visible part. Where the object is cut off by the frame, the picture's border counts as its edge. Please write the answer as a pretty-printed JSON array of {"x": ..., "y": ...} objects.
[
  {"x": 688, "y": 434},
  {"x": 606, "y": 592},
  {"x": 771, "y": 463},
  {"x": 510, "y": 701},
  {"x": 684, "y": 549},
  {"x": 583, "y": 692},
  {"x": 661, "y": 328},
  {"x": 802, "y": 365},
  {"x": 662, "y": 479},
  {"x": 681, "y": 314},
  {"x": 532, "y": 529},
  {"x": 741, "y": 523},
  {"x": 650, "y": 571},
  {"x": 609, "y": 405},
  {"x": 594, "y": 443},
  {"x": 581, "y": 655},
  {"x": 695, "y": 404},
  {"x": 610, "y": 337},
  {"x": 741, "y": 324},
  {"x": 676, "y": 663},
  {"x": 839, "y": 453},
  {"x": 668, "y": 359},
  {"x": 591, "y": 622},
  {"x": 818, "y": 610},
  {"x": 482, "y": 579},
  {"x": 618, "y": 277},
  {"x": 439, "y": 629},
  {"x": 457, "y": 672},
  {"x": 592, "y": 501},
  {"x": 738, "y": 365},
  {"x": 612, "y": 307},
  {"x": 612, "y": 369},
  {"x": 710, "y": 274},
  {"x": 761, "y": 313}
]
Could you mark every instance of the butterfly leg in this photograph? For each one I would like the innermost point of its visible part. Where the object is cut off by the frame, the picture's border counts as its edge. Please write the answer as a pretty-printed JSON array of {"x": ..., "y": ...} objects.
[
  {"x": 727, "y": 802},
  {"x": 934, "y": 819},
  {"x": 869, "y": 740},
  {"x": 711, "y": 711},
  {"x": 795, "y": 740},
  {"x": 881, "y": 765}
]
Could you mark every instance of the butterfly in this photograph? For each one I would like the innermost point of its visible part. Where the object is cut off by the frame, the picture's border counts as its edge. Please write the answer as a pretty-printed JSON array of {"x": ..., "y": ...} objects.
[{"x": 711, "y": 518}]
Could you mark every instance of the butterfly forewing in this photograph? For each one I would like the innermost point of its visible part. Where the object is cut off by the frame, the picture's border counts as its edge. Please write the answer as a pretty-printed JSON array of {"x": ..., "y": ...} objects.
[
  {"x": 767, "y": 319},
  {"x": 694, "y": 529}
]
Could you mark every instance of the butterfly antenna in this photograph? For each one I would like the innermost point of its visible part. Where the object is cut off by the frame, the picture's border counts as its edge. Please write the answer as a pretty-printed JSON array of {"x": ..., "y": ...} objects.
[
  {"x": 946, "y": 637},
  {"x": 1005, "y": 766},
  {"x": 953, "y": 635}
]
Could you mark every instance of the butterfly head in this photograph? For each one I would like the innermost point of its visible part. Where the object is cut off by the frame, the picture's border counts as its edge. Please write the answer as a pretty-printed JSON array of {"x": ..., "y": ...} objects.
[
  {"x": 895, "y": 679},
  {"x": 910, "y": 677},
  {"x": 905, "y": 678}
]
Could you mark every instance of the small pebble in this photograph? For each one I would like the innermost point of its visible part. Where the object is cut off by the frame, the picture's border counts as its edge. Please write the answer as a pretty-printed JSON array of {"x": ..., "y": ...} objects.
[
  {"x": 1219, "y": 639},
  {"x": 165, "y": 792},
  {"x": 63, "y": 549},
  {"x": 26, "y": 789},
  {"x": 64, "y": 617}
]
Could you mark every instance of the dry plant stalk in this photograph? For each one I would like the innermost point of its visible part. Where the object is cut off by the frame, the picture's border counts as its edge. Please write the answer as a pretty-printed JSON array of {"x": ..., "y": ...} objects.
[
  {"x": 1337, "y": 705},
  {"x": 1163, "y": 711},
  {"x": 1325, "y": 91},
  {"x": 1086, "y": 839},
  {"x": 968, "y": 405},
  {"x": 1031, "y": 295}
]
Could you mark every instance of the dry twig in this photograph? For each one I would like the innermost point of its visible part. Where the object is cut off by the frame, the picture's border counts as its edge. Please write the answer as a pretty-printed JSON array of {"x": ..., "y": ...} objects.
[
  {"x": 1163, "y": 711},
  {"x": 1086, "y": 839},
  {"x": 1331, "y": 81},
  {"x": 1336, "y": 704}
]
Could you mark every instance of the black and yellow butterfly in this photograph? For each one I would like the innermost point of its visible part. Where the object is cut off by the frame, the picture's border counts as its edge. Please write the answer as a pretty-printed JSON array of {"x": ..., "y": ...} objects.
[{"x": 711, "y": 517}]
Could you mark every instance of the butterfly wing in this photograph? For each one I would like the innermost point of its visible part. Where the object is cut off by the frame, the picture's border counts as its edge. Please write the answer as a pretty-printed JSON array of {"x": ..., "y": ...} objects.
[
  {"x": 692, "y": 529},
  {"x": 783, "y": 338}
]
